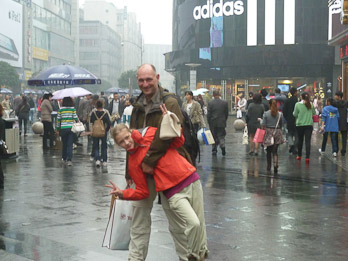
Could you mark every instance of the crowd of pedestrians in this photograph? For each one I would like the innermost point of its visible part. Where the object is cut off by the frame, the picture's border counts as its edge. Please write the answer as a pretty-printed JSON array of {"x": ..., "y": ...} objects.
[{"x": 297, "y": 116}]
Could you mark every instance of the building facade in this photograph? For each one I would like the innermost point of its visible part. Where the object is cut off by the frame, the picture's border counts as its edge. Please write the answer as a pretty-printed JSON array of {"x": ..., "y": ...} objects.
[
  {"x": 122, "y": 22},
  {"x": 154, "y": 54},
  {"x": 249, "y": 45},
  {"x": 100, "y": 51},
  {"x": 338, "y": 32}
]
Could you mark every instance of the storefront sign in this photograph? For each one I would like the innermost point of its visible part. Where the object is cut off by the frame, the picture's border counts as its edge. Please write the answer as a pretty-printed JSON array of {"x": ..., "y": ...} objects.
[
  {"x": 40, "y": 54},
  {"x": 219, "y": 9}
]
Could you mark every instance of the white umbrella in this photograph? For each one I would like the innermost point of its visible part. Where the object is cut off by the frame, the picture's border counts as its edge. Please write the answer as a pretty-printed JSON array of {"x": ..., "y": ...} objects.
[
  {"x": 70, "y": 92},
  {"x": 203, "y": 90},
  {"x": 199, "y": 91}
]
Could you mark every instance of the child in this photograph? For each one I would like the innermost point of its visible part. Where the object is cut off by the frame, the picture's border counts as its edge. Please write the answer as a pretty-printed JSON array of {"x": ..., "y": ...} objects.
[
  {"x": 176, "y": 180},
  {"x": 329, "y": 123}
]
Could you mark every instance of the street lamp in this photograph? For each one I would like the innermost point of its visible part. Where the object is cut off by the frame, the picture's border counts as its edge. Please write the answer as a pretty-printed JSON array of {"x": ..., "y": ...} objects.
[{"x": 137, "y": 45}]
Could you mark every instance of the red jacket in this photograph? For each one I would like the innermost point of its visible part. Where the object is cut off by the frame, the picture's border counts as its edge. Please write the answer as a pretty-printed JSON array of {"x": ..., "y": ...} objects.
[{"x": 170, "y": 170}]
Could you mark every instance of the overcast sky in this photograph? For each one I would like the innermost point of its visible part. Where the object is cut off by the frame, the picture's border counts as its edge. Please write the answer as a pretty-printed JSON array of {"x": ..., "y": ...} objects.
[{"x": 155, "y": 17}]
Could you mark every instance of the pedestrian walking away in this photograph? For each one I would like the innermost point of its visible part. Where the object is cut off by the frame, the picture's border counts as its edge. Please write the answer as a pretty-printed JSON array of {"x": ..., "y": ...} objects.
[
  {"x": 103, "y": 115},
  {"x": 303, "y": 112},
  {"x": 46, "y": 119},
  {"x": 65, "y": 120},
  {"x": 329, "y": 124},
  {"x": 22, "y": 112},
  {"x": 272, "y": 122},
  {"x": 217, "y": 117},
  {"x": 253, "y": 119}
]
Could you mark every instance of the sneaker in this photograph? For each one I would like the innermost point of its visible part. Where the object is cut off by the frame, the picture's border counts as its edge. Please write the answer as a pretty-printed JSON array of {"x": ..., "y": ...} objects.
[
  {"x": 74, "y": 147},
  {"x": 105, "y": 164},
  {"x": 334, "y": 154},
  {"x": 321, "y": 152},
  {"x": 307, "y": 160},
  {"x": 69, "y": 163},
  {"x": 97, "y": 163},
  {"x": 91, "y": 158},
  {"x": 223, "y": 150},
  {"x": 298, "y": 157}
]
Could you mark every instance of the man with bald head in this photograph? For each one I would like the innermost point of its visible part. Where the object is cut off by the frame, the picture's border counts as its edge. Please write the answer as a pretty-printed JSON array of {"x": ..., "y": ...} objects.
[{"x": 147, "y": 113}]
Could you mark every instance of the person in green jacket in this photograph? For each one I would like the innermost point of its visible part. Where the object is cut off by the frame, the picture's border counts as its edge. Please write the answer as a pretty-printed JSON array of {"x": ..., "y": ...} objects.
[{"x": 303, "y": 112}]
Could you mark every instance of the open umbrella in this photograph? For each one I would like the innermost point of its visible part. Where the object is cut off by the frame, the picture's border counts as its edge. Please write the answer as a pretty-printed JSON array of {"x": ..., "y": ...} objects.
[
  {"x": 29, "y": 91},
  {"x": 70, "y": 92},
  {"x": 198, "y": 92},
  {"x": 63, "y": 75},
  {"x": 6, "y": 91}
]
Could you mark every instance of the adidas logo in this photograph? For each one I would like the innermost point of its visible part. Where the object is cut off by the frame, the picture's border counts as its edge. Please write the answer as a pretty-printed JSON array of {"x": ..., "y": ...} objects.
[{"x": 219, "y": 9}]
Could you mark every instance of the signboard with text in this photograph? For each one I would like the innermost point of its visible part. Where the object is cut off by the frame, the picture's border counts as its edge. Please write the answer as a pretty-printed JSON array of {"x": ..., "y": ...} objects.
[{"x": 11, "y": 33}]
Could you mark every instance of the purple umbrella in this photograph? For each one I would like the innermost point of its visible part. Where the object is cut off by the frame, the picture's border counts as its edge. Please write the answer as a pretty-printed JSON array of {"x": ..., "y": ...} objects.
[{"x": 63, "y": 75}]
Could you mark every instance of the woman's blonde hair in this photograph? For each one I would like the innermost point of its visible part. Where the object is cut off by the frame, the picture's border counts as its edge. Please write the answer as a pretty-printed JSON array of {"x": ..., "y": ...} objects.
[{"x": 117, "y": 129}]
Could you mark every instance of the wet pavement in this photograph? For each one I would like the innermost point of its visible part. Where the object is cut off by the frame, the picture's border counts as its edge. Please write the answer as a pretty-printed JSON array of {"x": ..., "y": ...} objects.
[{"x": 49, "y": 211}]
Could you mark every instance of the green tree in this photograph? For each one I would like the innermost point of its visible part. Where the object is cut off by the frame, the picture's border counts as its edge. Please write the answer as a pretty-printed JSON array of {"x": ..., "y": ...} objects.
[
  {"x": 124, "y": 82},
  {"x": 9, "y": 78}
]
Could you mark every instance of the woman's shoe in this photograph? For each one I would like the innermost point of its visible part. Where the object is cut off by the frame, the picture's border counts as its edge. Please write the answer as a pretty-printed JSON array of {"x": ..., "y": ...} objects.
[
  {"x": 298, "y": 157},
  {"x": 275, "y": 169},
  {"x": 307, "y": 160},
  {"x": 255, "y": 153},
  {"x": 251, "y": 153}
]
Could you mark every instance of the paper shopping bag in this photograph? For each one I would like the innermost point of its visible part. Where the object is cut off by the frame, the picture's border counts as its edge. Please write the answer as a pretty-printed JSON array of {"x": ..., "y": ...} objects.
[
  {"x": 117, "y": 233},
  {"x": 259, "y": 135},
  {"x": 245, "y": 140},
  {"x": 208, "y": 137}
]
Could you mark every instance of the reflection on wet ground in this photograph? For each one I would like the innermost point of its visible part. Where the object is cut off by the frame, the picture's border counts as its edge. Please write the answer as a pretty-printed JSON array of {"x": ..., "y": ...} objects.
[{"x": 54, "y": 212}]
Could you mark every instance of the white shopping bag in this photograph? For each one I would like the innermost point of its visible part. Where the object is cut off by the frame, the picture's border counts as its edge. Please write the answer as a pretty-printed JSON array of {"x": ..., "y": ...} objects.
[
  {"x": 117, "y": 233},
  {"x": 245, "y": 140}
]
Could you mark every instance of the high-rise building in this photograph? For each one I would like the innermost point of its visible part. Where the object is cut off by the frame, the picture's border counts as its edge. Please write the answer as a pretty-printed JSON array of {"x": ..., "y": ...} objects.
[
  {"x": 154, "y": 54},
  {"x": 125, "y": 24},
  {"x": 100, "y": 51}
]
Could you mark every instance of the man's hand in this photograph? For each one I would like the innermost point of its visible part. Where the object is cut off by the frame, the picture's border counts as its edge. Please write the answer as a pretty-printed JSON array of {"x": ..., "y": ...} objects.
[
  {"x": 146, "y": 168},
  {"x": 163, "y": 109}
]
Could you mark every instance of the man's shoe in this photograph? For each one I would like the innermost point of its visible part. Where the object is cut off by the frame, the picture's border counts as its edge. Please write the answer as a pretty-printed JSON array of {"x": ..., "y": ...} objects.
[
  {"x": 223, "y": 151},
  {"x": 343, "y": 154},
  {"x": 97, "y": 163},
  {"x": 69, "y": 163},
  {"x": 321, "y": 152},
  {"x": 334, "y": 154},
  {"x": 214, "y": 153},
  {"x": 105, "y": 164},
  {"x": 91, "y": 158},
  {"x": 307, "y": 160},
  {"x": 298, "y": 157}
]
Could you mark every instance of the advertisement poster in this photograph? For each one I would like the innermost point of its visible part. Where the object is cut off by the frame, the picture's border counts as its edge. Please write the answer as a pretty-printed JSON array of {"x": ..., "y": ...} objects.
[{"x": 11, "y": 33}]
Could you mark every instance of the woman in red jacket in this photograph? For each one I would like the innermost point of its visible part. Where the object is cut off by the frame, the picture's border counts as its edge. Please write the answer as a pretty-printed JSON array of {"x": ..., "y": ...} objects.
[{"x": 176, "y": 180}]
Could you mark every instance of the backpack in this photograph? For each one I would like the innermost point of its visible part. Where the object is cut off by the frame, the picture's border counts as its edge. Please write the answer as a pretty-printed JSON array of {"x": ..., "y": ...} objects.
[
  {"x": 191, "y": 142},
  {"x": 98, "y": 129}
]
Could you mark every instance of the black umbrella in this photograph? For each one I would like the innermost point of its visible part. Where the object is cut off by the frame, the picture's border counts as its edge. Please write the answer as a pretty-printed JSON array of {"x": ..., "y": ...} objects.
[{"x": 63, "y": 75}]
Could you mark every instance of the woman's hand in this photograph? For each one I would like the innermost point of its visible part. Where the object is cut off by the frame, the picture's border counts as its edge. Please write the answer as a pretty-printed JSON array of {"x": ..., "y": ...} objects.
[
  {"x": 163, "y": 109},
  {"x": 114, "y": 189}
]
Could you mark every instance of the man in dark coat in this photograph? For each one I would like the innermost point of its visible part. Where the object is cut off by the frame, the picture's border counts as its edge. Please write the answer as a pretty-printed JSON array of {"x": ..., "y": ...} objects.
[
  {"x": 341, "y": 105},
  {"x": 217, "y": 117},
  {"x": 288, "y": 110},
  {"x": 264, "y": 94}
]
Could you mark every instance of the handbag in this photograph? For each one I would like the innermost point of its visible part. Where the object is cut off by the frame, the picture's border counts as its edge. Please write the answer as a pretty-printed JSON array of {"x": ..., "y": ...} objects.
[
  {"x": 208, "y": 137},
  {"x": 245, "y": 139},
  {"x": 269, "y": 139},
  {"x": 3, "y": 148},
  {"x": 170, "y": 126},
  {"x": 117, "y": 232},
  {"x": 78, "y": 127},
  {"x": 259, "y": 135}
]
